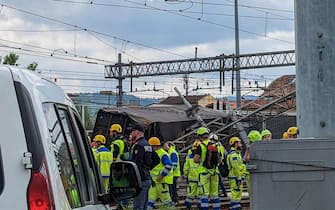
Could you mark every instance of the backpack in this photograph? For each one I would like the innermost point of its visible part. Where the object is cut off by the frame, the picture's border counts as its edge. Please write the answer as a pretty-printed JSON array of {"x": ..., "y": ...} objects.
[
  {"x": 223, "y": 167},
  {"x": 212, "y": 156}
]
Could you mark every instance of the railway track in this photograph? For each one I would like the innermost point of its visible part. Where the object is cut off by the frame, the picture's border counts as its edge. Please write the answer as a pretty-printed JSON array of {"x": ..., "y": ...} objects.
[{"x": 225, "y": 201}]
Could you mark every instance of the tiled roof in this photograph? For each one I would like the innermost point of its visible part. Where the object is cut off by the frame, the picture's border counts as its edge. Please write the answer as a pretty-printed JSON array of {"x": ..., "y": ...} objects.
[
  {"x": 176, "y": 100},
  {"x": 279, "y": 87}
]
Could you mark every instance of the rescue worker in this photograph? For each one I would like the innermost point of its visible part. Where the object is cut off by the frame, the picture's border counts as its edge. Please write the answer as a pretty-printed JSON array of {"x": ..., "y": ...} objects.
[
  {"x": 214, "y": 138},
  {"x": 237, "y": 172},
  {"x": 266, "y": 135},
  {"x": 119, "y": 147},
  {"x": 191, "y": 174},
  {"x": 208, "y": 178},
  {"x": 284, "y": 135},
  {"x": 170, "y": 148},
  {"x": 75, "y": 200},
  {"x": 94, "y": 146},
  {"x": 253, "y": 136},
  {"x": 104, "y": 159},
  {"x": 292, "y": 132},
  {"x": 161, "y": 175},
  {"x": 141, "y": 155}
]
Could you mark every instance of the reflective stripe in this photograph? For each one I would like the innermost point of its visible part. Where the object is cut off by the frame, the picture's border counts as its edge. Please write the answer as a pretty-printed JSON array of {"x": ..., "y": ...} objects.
[
  {"x": 204, "y": 205},
  {"x": 216, "y": 205},
  {"x": 204, "y": 202},
  {"x": 167, "y": 169},
  {"x": 148, "y": 148},
  {"x": 188, "y": 199},
  {"x": 158, "y": 169},
  {"x": 236, "y": 206}
]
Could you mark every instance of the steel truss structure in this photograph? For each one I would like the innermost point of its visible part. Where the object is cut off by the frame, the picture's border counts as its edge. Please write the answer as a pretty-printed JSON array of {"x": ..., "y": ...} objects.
[{"x": 200, "y": 65}]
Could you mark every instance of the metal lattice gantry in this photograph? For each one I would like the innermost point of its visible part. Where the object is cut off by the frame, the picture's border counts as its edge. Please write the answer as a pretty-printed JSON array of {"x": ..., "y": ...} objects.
[{"x": 200, "y": 65}]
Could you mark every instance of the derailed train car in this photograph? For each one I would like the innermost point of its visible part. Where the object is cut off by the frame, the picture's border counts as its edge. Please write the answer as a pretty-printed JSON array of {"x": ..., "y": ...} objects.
[{"x": 168, "y": 122}]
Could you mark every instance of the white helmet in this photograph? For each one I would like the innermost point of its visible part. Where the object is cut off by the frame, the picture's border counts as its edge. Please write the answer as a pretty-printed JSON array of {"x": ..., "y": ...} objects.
[{"x": 214, "y": 137}]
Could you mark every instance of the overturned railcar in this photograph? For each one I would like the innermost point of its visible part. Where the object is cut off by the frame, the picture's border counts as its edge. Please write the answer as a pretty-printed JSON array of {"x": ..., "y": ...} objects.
[{"x": 167, "y": 122}]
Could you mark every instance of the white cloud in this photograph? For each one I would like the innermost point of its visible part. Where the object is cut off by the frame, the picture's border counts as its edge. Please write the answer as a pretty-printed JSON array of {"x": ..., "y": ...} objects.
[{"x": 85, "y": 44}]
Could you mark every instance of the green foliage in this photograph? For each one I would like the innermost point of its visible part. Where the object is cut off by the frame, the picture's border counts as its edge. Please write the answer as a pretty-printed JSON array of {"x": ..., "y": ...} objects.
[
  {"x": 11, "y": 59},
  {"x": 32, "y": 66}
]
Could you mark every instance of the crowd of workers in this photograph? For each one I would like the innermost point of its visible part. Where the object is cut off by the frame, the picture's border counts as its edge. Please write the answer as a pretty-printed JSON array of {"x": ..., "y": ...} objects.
[{"x": 205, "y": 165}]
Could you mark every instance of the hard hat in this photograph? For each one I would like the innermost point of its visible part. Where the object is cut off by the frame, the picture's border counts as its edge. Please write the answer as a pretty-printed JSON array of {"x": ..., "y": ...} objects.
[
  {"x": 196, "y": 143},
  {"x": 100, "y": 138},
  {"x": 116, "y": 127},
  {"x": 266, "y": 132},
  {"x": 254, "y": 136},
  {"x": 154, "y": 141},
  {"x": 234, "y": 139},
  {"x": 292, "y": 131},
  {"x": 202, "y": 130},
  {"x": 214, "y": 137},
  {"x": 285, "y": 135}
]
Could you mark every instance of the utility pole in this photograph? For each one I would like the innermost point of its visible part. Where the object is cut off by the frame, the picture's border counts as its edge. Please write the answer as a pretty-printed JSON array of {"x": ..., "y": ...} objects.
[
  {"x": 120, "y": 78},
  {"x": 186, "y": 85},
  {"x": 315, "y": 30},
  {"x": 237, "y": 58}
]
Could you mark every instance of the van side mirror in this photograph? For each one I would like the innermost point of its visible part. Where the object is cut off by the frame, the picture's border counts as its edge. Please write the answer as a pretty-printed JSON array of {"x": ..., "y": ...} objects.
[{"x": 125, "y": 180}]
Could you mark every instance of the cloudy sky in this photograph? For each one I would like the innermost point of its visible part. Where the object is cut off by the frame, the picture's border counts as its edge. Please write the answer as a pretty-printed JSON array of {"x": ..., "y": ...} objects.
[{"x": 72, "y": 40}]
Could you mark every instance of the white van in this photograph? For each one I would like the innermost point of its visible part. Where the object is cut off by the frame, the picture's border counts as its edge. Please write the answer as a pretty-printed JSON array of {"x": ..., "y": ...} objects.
[{"x": 45, "y": 158}]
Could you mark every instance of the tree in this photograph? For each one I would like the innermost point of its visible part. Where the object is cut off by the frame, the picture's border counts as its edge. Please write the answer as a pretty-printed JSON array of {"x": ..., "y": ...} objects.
[
  {"x": 32, "y": 66},
  {"x": 11, "y": 59}
]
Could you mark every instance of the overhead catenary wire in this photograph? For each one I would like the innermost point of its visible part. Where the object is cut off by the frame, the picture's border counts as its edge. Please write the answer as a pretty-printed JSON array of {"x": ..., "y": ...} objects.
[
  {"x": 179, "y": 10},
  {"x": 243, "y": 5},
  {"x": 260, "y": 9},
  {"x": 214, "y": 23},
  {"x": 47, "y": 55},
  {"x": 116, "y": 49},
  {"x": 51, "y": 52},
  {"x": 91, "y": 30}
]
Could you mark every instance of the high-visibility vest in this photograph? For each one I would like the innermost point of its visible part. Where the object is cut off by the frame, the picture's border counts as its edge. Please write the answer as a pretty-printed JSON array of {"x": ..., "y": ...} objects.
[
  {"x": 191, "y": 168},
  {"x": 158, "y": 169},
  {"x": 237, "y": 168},
  {"x": 176, "y": 171},
  {"x": 104, "y": 159},
  {"x": 121, "y": 145}
]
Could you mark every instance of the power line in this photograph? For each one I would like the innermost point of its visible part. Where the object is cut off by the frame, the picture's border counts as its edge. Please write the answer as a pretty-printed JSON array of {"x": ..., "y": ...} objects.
[
  {"x": 243, "y": 5},
  {"x": 260, "y": 9},
  {"x": 89, "y": 30},
  {"x": 51, "y": 52},
  {"x": 214, "y": 23},
  {"x": 37, "y": 31},
  {"x": 180, "y": 10},
  {"x": 109, "y": 45},
  {"x": 46, "y": 54}
]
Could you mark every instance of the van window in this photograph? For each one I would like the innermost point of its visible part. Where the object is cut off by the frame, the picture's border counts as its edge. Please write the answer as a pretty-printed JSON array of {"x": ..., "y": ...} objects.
[
  {"x": 93, "y": 168},
  {"x": 65, "y": 152}
]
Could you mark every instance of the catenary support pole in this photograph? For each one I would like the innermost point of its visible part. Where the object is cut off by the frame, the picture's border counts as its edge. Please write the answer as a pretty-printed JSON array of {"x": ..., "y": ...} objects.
[
  {"x": 237, "y": 60},
  {"x": 315, "y": 64},
  {"x": 120, "y": 95}
]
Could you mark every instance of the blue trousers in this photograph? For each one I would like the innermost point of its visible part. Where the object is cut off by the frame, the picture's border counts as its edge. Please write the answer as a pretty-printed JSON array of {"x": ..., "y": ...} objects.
[{"x": 141, "y": 200}]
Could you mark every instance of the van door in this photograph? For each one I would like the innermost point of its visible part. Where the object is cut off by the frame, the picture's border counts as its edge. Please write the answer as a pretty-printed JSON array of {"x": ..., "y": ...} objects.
[{"x": 78, "y": 172}]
